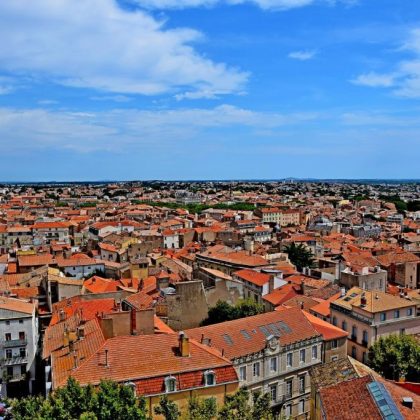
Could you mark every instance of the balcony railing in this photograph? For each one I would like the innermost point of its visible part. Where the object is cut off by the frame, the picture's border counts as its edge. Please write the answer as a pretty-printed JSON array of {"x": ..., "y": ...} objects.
[
  {"x": 15, "y": 360},
  {"x": 15, "y": 343}
]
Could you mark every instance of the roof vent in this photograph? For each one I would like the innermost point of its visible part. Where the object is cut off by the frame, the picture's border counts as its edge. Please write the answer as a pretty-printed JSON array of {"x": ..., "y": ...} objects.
[{"x": 407, "y": 402}]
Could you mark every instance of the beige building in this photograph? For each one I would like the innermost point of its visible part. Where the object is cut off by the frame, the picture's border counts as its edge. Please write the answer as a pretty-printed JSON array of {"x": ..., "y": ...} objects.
[{"x": 368, "y": 315}]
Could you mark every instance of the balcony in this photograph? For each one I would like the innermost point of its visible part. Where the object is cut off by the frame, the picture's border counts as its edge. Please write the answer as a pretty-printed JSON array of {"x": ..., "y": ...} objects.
[
  {"x": 15, "y": 343},
  {"x": 15, "y": 360}
]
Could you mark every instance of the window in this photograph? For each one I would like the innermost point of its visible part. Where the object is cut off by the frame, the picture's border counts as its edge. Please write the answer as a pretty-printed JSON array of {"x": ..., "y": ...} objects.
[
  {"x": 289, "y": 359},
  {"x": 21, "y": 335},
  {"x": 301, "y": 406},
  {"x": 273, "y": 364},
  {"x": 170, "y": 384},
  {"x": 8, "y": 354},
  {"x": 409, "y": 311},
  {"x": 242, "y": 373},
  {"x": 364, "y": 357},
  {"x": 397, "y": 313},
  {"x": 22, "y": 352},
  {"x": 334, "y": 344},
  {"x": 289, "y": 388},
  {"x": 273, "y": 392},
  {"x": 344, "y": 325},
  {"x": 365, "y": 338},
  {"x": 302, "y": 356},
  {"x": 354, "y": 352},
  {"x": 209, "y": 378},
  {"x": 354, "y": 332},
  {"x": 314, "y": 352},
  {"x": 301, "y": 384},
  {"x": 10, "y": 371},
  {"x": 402, "y": 331},
  {"x": 288, "y": 411},
  {"x": 256, "y": 369},
  {"x": 8, "y": 336},
  {"x": 20, "y": 321},
  {"x": 7, "y": 322},
  {"x": 334, "y": 320},
  {"x": 334, "y": 358},
  {"x": 23, "y": 370},
  {"x": 383, "y": 316}
]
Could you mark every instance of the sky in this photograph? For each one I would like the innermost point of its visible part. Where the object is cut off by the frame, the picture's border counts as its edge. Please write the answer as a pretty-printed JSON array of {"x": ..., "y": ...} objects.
[{"x": 209, "y": 89}]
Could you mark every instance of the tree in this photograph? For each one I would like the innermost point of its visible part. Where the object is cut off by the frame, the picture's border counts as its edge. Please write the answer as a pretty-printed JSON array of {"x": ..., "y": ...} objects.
[
  {"x": 167, "y": 409},
  {"x": 395, "y": 357},
  {"x": 202, "y": 409},
  {"x": 223, "y": 311},
  {"x": 300, "y": 256},
  {"x": 109, "y": 401},
  {"x": 238, "y": 406}
]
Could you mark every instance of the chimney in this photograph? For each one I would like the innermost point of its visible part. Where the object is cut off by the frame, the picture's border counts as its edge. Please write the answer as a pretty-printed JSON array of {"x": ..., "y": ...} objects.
[
  {"x": 184, "y": 344},
  {"x": 61, "y": 315},
  {"x": 81, "y": 333},
  {"x": 106, "y": 358},
  {"x": 75, "y": 361},
  {"x": 133, "y": 322},
  {"x": 271, "y": 283}
]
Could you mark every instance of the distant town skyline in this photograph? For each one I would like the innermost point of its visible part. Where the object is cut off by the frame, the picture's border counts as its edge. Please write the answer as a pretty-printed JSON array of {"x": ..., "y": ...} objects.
[{"x": 209, "y": 90}]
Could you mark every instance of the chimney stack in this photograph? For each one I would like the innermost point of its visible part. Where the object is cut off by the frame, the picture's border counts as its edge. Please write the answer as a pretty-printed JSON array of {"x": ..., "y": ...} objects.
[
  {"x": 184, "y": 344},
  {"x": 133, "y": 322},
  {"x": 106, "y": 358}
]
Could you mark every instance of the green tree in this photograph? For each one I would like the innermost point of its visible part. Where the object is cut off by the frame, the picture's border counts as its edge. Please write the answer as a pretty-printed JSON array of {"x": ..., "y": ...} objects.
[
  {"x": 395, "y": 357},
  {"x": 223, "y": 311},
  {"x": 238, "y": 406},
  {"x": 167, "y": 409},
  {"x": 201, "y": 409},
  {"x": 109, "y": 401},
  {"x": 248, "y": 307},
  {"x": 300, "y": 256},
  {"x": 261, "y": 407}
]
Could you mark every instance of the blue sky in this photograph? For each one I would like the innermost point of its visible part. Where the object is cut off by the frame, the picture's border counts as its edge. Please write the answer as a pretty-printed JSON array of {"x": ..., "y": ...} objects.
[{"x": 209, "y": 89}]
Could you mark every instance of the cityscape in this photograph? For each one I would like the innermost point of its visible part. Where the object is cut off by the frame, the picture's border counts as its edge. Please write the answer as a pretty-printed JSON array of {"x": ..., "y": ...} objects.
[
  {"x": 210, "y": 210},
  {"x": 288, "y": 291}
]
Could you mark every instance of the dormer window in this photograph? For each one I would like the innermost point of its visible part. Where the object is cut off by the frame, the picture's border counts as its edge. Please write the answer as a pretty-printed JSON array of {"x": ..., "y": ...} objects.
[
  {"x": 170, "y": 384},
  {"x": 209, "y": 378}
]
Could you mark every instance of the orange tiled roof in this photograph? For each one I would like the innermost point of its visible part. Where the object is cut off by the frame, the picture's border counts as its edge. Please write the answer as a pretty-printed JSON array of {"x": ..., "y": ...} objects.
[
  {"x": 230, "y": 335},
  {"x": 327, "y": 330},
  {"x": 137, "y": 358},
  {"x": 349, "y": 400},
  {"x": 252, "y": 276}
]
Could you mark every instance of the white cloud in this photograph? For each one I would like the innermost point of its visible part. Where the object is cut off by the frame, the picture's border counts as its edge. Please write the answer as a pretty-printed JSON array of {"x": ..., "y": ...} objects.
[
  {"x": 263, "y": 4},
  {"x": 117, "y": 130},
  {"x": 113, "y": 98},
  {"x": 373, "y": 79},
  {"x": 96, "y": 44},
  {"x": 405, "y": 78},
  {"x": 302, "y": 55}
]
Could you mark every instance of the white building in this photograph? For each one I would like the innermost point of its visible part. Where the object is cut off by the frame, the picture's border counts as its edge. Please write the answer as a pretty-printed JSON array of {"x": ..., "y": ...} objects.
[
  {"x": 18, "y": 345},
  {"x": 272, "y": 353}
]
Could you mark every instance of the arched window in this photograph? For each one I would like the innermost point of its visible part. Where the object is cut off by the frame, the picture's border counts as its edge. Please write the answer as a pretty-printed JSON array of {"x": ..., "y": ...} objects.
[
  {"x": 170, "y": 384},
  {"x": 209, "y": 378}
]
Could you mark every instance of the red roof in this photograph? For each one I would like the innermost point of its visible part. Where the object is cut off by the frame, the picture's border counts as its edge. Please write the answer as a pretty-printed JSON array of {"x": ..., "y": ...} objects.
[
  {"x": 252, "y": 276},
  {"x": 245, "y": 336},
  {"x": 327, "y": 330}
]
